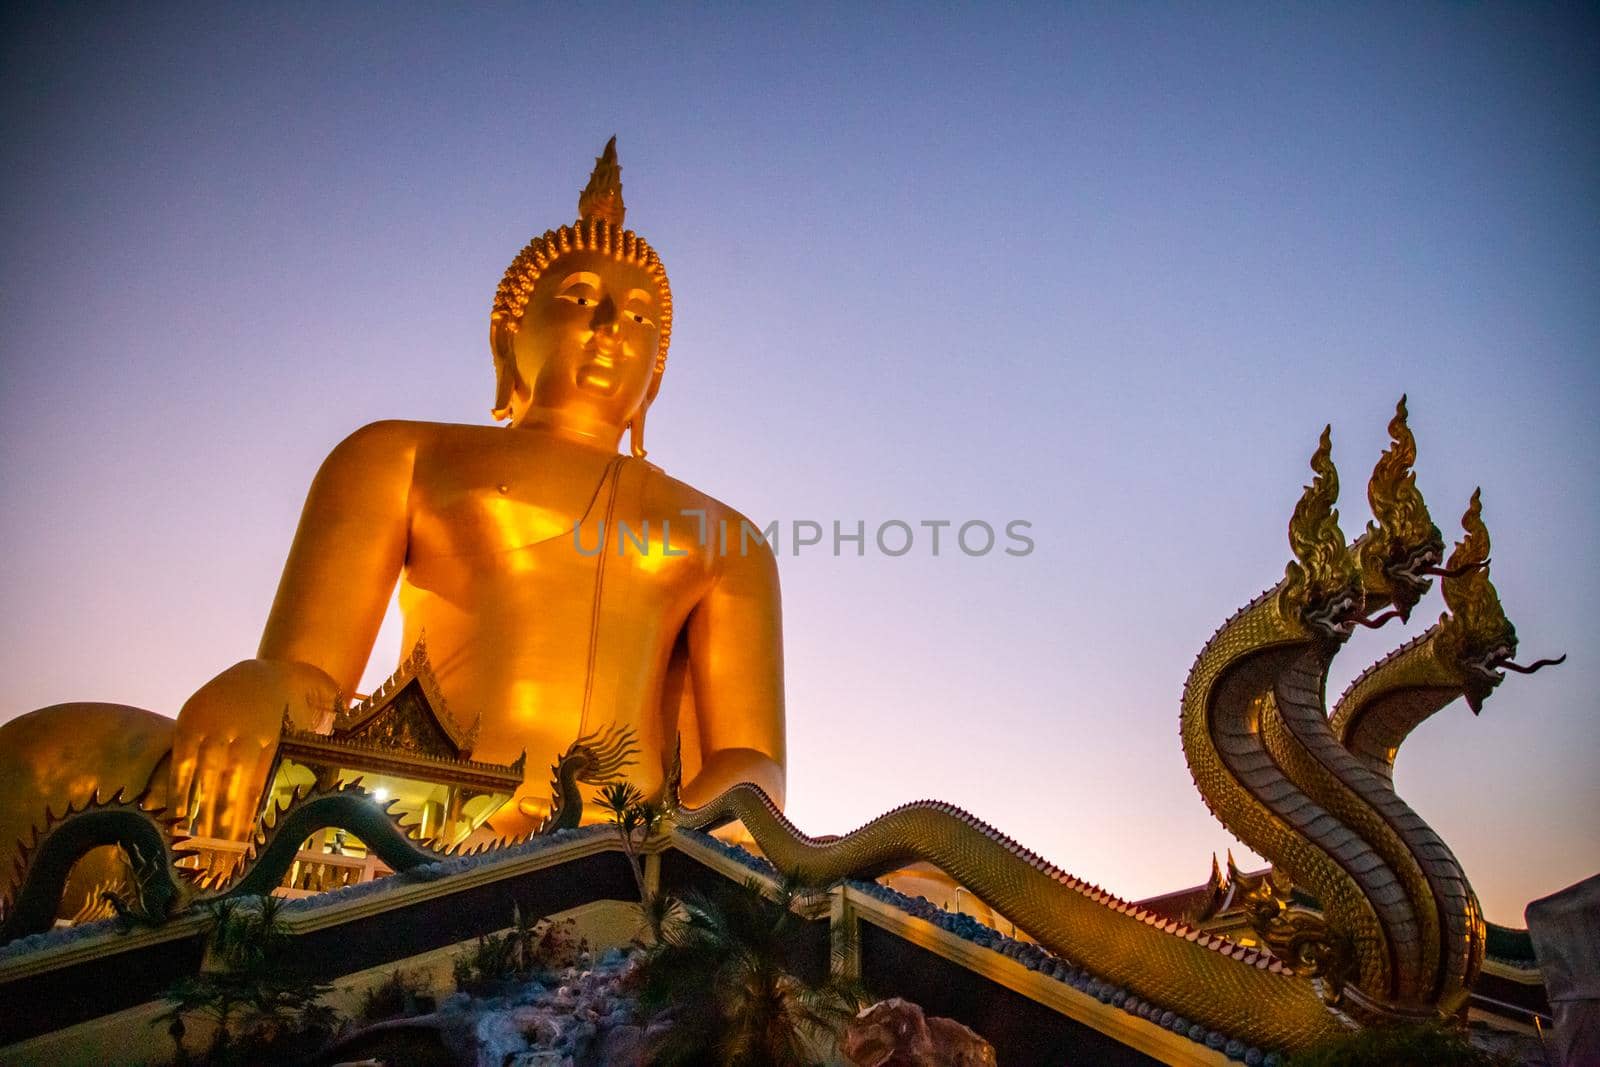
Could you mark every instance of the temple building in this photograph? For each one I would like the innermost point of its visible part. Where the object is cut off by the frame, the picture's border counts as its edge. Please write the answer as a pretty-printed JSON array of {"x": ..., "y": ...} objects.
[{"x": 406, "y": 748}]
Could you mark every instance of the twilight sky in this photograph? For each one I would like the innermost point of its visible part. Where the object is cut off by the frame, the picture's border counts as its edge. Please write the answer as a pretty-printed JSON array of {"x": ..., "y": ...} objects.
[{"x": 1108, "y": 270}]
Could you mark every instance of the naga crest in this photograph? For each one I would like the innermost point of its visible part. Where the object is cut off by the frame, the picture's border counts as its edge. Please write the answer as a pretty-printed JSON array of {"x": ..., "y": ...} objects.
[
  {"x": 1475, "y": 632},
  {"x": 597, "y": 759},
  {"x": 1403, "y": 546},
  {"x": 1322, "y": 586}
]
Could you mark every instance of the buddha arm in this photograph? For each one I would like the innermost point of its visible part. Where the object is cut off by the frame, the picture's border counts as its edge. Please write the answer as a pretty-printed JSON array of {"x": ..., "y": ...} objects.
[
  {"x": 736, "y": 660},
  {"x": 346, "y": 557}
]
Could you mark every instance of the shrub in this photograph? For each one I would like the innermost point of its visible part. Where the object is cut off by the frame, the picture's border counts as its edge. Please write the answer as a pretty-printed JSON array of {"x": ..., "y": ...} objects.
[
  {"x": 397, "y": 996},
  {"x": 531, "y": 948}
]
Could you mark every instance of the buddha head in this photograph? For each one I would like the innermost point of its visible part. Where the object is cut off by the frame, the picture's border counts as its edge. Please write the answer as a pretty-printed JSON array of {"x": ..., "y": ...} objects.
[{"x": 581, "y": 322}]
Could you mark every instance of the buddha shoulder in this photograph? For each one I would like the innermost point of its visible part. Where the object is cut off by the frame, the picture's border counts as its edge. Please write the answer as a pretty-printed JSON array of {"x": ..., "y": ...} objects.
[
  {"x": 377, "y": 458},
  {"x": 388, "y": 458},
  {"x": 710, "y": 523},
  {"x": 406, "y": 448}
]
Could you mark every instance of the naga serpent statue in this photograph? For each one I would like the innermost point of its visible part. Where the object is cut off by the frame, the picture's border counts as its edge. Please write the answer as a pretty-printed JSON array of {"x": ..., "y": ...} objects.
[{"x": 1399, "y": 935}]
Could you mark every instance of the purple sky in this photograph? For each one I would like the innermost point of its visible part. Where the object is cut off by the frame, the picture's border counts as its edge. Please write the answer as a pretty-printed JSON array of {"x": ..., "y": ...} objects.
[{"x": 1107, "y": 270}]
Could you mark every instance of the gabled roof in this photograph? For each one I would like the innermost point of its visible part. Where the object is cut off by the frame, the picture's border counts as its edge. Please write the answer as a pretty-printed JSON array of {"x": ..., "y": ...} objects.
[
  {"x": 404, "y": 729},
  {"x": 358, "y": 723}
]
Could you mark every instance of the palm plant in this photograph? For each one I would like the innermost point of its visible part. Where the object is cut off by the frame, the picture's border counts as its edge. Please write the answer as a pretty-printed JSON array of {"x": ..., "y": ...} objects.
[
  {"x": 631, "y": 813},
  {"x": 717, "y": 965},
  {"x": 255, "y": 1005},
  {"x": 721, "y": 974},
  {"x": 636, "y": 820}
]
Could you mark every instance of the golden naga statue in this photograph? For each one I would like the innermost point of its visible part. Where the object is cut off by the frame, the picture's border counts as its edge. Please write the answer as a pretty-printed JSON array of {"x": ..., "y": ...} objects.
[
  {"x": 1398, "y": 935},
  {"x": 563, "y": 588}
]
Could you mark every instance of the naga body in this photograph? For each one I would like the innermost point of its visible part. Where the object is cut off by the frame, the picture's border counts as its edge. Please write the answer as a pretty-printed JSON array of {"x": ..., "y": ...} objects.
[
  {"x": 1398, "y": 936},
  {"x": 159, "y": 887}
]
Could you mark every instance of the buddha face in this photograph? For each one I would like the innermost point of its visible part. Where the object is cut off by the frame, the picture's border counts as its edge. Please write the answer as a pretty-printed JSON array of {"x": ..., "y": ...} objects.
[{"x": 585, "y": 348}]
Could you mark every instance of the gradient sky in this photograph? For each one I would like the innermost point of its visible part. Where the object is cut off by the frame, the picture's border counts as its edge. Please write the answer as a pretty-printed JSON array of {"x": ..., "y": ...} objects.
[{"x": 1108, "y": 269}]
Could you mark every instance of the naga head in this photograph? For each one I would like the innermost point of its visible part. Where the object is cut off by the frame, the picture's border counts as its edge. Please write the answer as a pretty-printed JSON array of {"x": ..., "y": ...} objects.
[
  {"x": 1475, "y": 634},
  {"x": 1402, "y": 550},
  {"x": 1322, "y": 586},
  {"x": 1300, "y": 937}
]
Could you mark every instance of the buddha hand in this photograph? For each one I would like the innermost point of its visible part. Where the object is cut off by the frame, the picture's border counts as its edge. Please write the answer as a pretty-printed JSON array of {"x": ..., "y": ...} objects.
[{"x": 227, "y": 737}]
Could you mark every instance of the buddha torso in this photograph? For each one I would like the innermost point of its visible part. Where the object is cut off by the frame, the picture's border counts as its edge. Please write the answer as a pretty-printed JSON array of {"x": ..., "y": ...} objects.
[
  {"x": 542, "y": 632},
  {"x": 534, "y": 627}
]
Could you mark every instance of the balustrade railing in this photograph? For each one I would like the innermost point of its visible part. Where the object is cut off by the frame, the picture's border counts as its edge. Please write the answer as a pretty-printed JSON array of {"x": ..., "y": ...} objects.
[{"x": 314, "y": 870}]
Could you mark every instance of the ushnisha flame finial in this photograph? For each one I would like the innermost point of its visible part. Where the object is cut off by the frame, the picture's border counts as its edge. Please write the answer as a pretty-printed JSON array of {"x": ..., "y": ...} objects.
[{"x": 602, "y": 197}]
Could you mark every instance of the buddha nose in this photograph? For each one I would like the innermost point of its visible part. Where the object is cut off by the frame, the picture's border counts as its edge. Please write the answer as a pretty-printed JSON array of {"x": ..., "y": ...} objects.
[{"x": 606, "y": 316}]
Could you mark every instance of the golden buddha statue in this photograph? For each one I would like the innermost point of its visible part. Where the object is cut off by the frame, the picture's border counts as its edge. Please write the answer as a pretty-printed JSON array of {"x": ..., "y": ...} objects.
[{"x": 562, "y": 587}]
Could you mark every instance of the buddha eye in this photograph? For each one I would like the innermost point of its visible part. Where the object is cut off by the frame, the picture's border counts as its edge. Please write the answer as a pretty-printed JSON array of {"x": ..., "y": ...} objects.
[
  {"x": 579, "y": 291},
  {"x": 640, "y": 319}
]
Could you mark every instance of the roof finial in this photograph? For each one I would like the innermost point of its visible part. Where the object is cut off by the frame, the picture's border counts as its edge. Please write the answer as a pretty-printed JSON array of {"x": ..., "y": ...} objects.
[{"x": 602, "y": 197}]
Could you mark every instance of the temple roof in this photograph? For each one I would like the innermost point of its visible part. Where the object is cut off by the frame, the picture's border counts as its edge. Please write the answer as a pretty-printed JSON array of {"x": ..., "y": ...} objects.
[
  {"x": 405, "y": 728},
  {"x": 415, "y": 672}
]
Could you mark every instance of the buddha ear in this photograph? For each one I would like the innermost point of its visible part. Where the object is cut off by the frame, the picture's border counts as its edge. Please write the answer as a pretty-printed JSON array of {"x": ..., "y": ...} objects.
[
  {"x": 636, "y": 424},
  {"x": 506, "y": 379},
  {"x": 636, "y": 432}
]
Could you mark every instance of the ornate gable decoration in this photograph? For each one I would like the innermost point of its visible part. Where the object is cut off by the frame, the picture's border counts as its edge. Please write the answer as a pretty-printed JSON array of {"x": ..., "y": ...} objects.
[
  {"x": 403, "y": 729},
  {"x": 408, "y": 712}
]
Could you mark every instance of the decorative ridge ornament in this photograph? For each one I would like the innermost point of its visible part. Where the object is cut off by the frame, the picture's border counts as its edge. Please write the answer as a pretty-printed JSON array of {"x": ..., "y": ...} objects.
[{"x": 598, "y": 229}]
